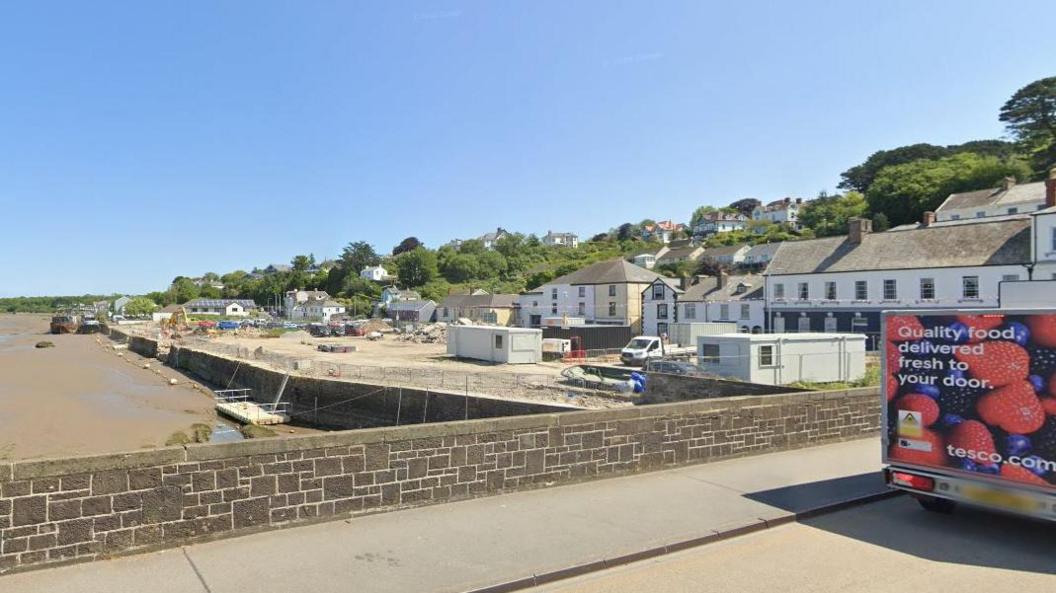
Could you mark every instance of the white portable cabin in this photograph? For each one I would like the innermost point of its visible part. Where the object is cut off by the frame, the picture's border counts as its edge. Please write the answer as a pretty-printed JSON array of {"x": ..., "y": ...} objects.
[
  {"x": 510, "y": 345},
  {"x": 685, "y": 333},
  {"x": 779, "y": 359}
]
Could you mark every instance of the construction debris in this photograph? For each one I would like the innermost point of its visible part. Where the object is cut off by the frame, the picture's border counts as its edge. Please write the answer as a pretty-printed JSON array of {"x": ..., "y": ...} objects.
[{"x": 432, "y": 333}]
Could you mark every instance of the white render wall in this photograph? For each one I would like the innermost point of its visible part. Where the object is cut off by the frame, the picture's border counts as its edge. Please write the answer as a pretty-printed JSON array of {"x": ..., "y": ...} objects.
[
  {"x": 712, "y": 311},
  {"x": 568, "y": 300},
  {"x": 650, "y": 320},
  {"x": 948, "y": 288},
  {"x": 989, "y": 210}
]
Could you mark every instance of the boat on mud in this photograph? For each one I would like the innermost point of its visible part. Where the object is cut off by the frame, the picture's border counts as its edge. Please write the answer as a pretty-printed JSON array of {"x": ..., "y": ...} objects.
[{"x": 65, "y": 322}]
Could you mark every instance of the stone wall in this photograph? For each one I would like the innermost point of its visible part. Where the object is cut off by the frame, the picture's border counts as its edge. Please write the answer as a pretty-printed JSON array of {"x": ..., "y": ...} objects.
[
  {"x": 85, "y": 508},
  {"x": 342, "y": 404}
]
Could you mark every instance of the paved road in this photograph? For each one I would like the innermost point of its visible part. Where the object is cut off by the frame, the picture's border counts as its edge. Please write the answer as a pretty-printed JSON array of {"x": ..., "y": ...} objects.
[
  {"x": 890, "y": 546},
  {"x": 466, "y": 545}
]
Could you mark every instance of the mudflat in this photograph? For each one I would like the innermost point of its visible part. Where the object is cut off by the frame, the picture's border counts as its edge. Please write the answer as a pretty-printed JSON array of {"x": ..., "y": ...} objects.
[{"x": 80, "y": 397}]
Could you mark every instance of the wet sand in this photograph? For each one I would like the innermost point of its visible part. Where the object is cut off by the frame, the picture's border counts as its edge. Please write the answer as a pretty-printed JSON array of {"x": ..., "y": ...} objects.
[{"x": 81, "y": 398}]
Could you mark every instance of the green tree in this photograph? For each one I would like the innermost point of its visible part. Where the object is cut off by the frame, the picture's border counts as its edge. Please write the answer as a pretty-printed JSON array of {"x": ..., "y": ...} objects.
[
  {"x": 827, "y": 215},
  {"x": 301, "y": 263},
  {"x": 408, "y": 244},
  {"x": 355, "y": 286},
  {"x": 416, "y": 267},
  {"x": 904, "y": 192},
  {"x": 435, "y": 290},
  {"x": 140, "y": 307},
  {"x": 746, "y": 206},
  {"x": 1030, "y": 116},
  {"x": 700, "y": 213},
  {"x": 460, "y": 268},
  {"x": 183, "y": 289},
  {"x": 491, "y": 264},
  {"x": 860, "y": 177},
  {"x": 880, "y": 222},
  {"x": 471, "y": 247}
]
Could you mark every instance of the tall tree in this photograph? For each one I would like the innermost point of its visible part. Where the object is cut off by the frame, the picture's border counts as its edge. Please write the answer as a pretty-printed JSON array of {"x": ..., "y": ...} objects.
[
  {"x": 416, "y": 267},
  {"x": 624, "y": 231},
  {"x": 860, "y": 177},
  {"x": 301, "y": 263},
  {"x": 904, "y": 192},
  {"x": 1030, "y": 116},
  {"x": 746, "y": 206},
  {"x": 408, "y": 244},
  {"x": 827, "y": 215}
]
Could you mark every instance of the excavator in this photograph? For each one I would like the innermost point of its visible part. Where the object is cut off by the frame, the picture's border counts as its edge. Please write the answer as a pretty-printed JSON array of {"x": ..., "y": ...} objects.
[{"x": 176, "y": 321}]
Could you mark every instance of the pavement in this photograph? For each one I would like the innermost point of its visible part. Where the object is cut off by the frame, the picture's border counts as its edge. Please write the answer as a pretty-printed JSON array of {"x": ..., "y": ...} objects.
[
  {"x": 512, "y": 538},
  {"x": 890, "y": 546}
]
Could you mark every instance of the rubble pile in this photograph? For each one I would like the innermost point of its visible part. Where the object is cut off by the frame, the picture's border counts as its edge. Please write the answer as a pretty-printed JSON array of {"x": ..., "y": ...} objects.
[{"x": 432, "y": 333}]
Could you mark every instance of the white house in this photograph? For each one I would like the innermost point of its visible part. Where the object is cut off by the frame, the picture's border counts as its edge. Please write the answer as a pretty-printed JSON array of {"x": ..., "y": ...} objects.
[
  {"x": 841, "y": 284},
  {"x": 294, "y": 298},
  {"x": 719, "y": 222},
  {"x": 662, "y": 231},
  {"x": 1043, "y": 243},
  {"x": 119, "y": 305},
  {"x": 659, "y": 301},
  {"x": 489, "y": 239},
  {"x": 783, "y": 211},
  {"x": 1008, "y": 198},
  {"x": 737, "y": 299},
  {"x": 561, "y": 239},
  {"x": 375, "y": 274},
  {"x": 732, "y": 255},
  {"x": 683, "y": 252},
  {"x": 391, "y": 294},
  {"x": 645, "y": 260},
  {"x": 605, "y": 293},
  {"x": 760, "y": 256},
  {"x": 316, "y": 310},
  {"x": 226, "y": 307}
]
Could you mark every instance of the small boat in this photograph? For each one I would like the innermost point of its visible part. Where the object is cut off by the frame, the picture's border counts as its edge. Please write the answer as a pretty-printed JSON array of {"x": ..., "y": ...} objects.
[{"x": 65, "y": 323}]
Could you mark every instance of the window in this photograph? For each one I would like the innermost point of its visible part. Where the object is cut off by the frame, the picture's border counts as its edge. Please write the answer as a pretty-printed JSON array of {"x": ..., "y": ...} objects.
[
  {"x": 724, "y": 311},
  {"x": 970, "y": 286},
  {"x": 1054, "y": 238},
  {"x": 658, "y": 292},
  {"x": 955, "y": 217},
  {"x": 612, "y": 309},
  {"x": 1010, "y": 277},
  {"x": 766, "y": 356},
  {"x": 830, "y": 291},
  {"x": 582, "y": 292},
  {"x": 859, "y": 324},
  {"x": 709, "y": 353},
  {"x": 661, "y": 311},
  {"x": 690, "y": 310},
  {"x": 1013, "y": 210},
  {"x": 861, "y": 290},
  {"x": 582, "y": 309},
  {"x": 980, "y": 214},
  {"x": 779, "y": 289},
  {"x": 498, "y": 341},
  {"x": 553, "y": 309},
  {"x": 612, "y": 290},
  {"x": 927, "y": 288},
  {"x": 535, "y": 303},
  {"x": 890, "y": 290},
  {"x": 553, "y": 293},
  {"x": 746, "y": 311},
  {"x": 804, "y": 291}
]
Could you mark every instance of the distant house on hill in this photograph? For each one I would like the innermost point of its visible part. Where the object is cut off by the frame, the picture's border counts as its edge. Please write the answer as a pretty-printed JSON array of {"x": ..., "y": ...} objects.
[
  {"x": 375, "y": 274},
  {"x": 561, "y": 239},
  {"x": 226, "y": 307},
  {"x": 1008, "y": 198}
]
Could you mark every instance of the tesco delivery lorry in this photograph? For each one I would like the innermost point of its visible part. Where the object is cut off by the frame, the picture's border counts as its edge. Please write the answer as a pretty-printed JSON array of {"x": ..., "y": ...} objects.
[{"x": 970, "y": 408}]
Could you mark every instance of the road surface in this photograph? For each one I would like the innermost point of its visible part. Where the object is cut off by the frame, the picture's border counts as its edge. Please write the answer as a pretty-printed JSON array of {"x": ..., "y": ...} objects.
[{"x": 890, "y": 546}]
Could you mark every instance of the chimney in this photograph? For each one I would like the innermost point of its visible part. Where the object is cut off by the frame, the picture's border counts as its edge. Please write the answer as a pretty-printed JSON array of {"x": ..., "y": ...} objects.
[
  {"x": 1050, "y": 189},
  {"x": 722, "y": 278},
  {"x": 857, "y": 228},
  {"x": 929, "y": 218},
  {"x": 1007, "y": 183}
]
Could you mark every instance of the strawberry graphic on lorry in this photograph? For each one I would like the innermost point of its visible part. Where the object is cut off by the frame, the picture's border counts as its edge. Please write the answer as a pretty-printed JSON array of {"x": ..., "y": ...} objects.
[{"x": 969, "y": 408}]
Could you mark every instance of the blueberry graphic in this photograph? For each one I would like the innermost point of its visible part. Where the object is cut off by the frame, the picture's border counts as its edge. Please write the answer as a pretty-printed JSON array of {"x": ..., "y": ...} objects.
[
  {"x": 1021, "y": 333},
  {"x": 969, "y": 466},
  {"x": 1017, "y": 444},
  {"x": 957, "y": 374},
  {"x": 993, "y": 469},
  {"x": 951, "y": 420},
  {"x": 1038, "y": 466},
  {"x": 1037, "y": 382},
  {"x": 931, "y": 391},
  {"x": 961, "y": 331}
]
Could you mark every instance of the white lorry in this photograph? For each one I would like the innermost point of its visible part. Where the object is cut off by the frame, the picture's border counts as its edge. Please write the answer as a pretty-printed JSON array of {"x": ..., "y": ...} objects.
[
  {"x": 644, "y": 348},
  {"x": 970, "y": 408}
]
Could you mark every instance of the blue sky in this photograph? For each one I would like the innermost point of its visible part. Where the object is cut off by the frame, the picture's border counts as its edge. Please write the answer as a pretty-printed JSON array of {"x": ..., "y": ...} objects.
[{"x": 142, "y": 140}]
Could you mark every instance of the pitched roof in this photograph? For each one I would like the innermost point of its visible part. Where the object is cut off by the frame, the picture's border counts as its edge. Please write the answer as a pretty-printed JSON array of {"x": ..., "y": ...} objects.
[
  {"x": 1006, "y": 242},
  {"x": 246, "y": 303},
  {"x": 724, "y": 251},
  {"x": 1000, "y": 196},
  {"x": 415, "y": 305},
  {"x": 960, "y": 222},
  {"x": 687, "y": 252},
  {"x": 763, "y": 249},
  {"x": 613, "y": 271},
  {"x": 707, "y": 289}
]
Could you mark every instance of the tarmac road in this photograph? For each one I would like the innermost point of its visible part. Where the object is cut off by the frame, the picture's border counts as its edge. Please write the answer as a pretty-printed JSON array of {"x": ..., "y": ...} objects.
[{"x": 891, "y": 545}]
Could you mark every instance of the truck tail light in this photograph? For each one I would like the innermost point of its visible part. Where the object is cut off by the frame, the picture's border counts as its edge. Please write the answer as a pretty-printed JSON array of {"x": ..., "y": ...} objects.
[{"x": 911, "y": 481}]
